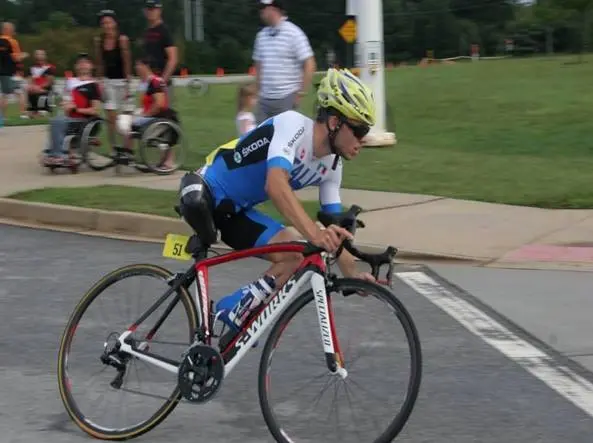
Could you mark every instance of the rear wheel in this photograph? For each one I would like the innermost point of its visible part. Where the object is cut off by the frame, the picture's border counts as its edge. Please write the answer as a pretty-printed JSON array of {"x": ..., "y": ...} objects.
[
  {"x": 93, "y": 374},
  {"x": 392, "y": 368}
]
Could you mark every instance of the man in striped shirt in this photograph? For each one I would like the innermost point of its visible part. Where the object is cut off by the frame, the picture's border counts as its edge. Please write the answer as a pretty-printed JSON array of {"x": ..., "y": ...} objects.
[{"x": 284, "y": 62}]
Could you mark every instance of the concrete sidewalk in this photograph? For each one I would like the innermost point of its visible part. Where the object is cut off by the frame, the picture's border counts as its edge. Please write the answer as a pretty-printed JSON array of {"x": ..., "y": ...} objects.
[{"x": 496, "y": 235}]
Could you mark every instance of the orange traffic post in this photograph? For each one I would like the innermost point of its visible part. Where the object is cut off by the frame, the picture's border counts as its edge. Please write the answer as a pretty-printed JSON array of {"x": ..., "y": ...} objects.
[
  {"x": 251, "y": 70},
  {"x": 475, "y": 52},
  {"x": 184, "y": 72},
  {"x": 219, "y": 72}
]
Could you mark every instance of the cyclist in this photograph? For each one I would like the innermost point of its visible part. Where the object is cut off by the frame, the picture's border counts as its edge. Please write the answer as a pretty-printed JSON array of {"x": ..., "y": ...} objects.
[{"x": 284, "y": 153}]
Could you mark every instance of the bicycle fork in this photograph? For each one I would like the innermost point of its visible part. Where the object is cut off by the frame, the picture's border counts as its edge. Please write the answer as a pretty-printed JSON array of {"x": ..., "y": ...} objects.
[{"x": 329, "y": 337}]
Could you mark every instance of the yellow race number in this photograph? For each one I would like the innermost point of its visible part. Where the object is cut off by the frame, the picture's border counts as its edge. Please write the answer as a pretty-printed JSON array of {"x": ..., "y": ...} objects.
[{"x": 175, "y": 247}]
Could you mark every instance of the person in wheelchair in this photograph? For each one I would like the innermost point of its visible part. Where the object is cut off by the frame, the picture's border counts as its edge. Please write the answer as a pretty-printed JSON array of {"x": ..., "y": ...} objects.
[
  {"x": 82, "y": 103},
  {"x": 155, "y": 105},
  {"x": 40, "y": 85}
]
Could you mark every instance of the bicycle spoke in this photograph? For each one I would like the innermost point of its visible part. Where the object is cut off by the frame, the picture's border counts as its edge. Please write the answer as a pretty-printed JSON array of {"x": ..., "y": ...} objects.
[
  {"x": 354, "y": 416},
  {"x": 301, "y": 387},
  {"x": 376, "y": 425}
]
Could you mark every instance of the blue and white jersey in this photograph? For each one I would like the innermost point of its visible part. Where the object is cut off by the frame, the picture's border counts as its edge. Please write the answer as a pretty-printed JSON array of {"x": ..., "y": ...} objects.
[{"x": 238, "y": 169}]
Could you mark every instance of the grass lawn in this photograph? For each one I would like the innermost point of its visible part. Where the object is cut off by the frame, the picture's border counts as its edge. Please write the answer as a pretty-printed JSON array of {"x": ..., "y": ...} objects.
[
  {"x": 512, "y": 131},
  {"x": 129, "y": 199}
]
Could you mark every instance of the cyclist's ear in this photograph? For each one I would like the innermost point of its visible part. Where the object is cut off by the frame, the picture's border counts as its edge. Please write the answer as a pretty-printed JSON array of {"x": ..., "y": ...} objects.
[{"x": 333, "y": 122}]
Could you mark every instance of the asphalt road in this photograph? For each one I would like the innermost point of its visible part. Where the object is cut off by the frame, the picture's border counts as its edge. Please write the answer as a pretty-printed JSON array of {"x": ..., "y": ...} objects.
[{"x": 470, "y": 391}]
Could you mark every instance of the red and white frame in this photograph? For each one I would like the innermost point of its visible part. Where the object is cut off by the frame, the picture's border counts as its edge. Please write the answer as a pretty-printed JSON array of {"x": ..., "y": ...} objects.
[{"x": 310, "y": 272}]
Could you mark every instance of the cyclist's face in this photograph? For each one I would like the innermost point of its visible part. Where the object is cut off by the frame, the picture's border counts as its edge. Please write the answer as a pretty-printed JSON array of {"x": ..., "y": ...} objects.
[{"x": 349, "y": 138}]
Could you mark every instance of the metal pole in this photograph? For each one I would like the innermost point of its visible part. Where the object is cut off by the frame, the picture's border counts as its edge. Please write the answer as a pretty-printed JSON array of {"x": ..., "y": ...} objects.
[
  {"x": 188, "y": 21},
  {"x": 372, "y": 72},
  {"x": 199, "y": 20}
]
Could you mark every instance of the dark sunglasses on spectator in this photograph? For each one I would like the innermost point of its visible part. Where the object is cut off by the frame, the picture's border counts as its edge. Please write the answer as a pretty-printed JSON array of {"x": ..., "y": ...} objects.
[{"x": 359, "y": 131}]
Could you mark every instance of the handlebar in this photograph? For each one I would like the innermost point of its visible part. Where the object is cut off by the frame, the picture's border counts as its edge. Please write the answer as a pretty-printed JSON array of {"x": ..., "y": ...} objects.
[{"x": 348, "y": 221}]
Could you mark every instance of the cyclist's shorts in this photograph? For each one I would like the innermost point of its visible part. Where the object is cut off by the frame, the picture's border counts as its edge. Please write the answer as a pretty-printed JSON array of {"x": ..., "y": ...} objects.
[{"x": 247, "y": 229}]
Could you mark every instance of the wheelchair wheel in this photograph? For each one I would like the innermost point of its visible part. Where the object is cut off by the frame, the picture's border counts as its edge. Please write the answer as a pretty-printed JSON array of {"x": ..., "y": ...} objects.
[
  {"x": 198, "y": 87},
  {"x": 163, "y": 147},
  {"x": 94, "y": 151}
]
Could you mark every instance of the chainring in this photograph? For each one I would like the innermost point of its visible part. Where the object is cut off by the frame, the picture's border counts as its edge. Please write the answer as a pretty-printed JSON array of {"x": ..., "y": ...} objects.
[{"x": 200, "y": 373}]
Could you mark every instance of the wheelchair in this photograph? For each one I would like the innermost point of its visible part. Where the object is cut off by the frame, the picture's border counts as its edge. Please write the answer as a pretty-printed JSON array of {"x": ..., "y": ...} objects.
[
  {"x": 155, "y": 141},
  {"x": 43, "y": 103},
  {"x": 80, "y": 140}
]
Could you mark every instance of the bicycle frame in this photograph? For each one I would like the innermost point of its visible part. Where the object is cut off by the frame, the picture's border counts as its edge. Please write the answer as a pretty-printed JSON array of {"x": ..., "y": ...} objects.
[{"x": 311, "y": 271}]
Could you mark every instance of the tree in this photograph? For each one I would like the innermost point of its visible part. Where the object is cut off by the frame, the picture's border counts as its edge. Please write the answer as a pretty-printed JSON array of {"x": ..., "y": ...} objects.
[{"x": 579, "y": 12}]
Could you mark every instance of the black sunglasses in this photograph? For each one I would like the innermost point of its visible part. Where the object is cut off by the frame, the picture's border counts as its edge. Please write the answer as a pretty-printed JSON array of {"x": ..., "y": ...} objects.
[{"x": 359, "y": 131}]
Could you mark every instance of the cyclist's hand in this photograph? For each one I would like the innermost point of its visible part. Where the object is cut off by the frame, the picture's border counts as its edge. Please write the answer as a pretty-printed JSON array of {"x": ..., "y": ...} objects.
[
  {"x": 365, "y": 276},
  {"x": 331, "y": 238}
]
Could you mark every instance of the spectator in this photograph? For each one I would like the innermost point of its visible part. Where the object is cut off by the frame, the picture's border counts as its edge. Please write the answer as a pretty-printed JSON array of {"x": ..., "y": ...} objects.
[
  {"x": 155, "y": 105},
  {"x": 40, "y": 84},
  {"x": 10, "y": 57},
  {"x": 158, "y": 44},
  {"x": 19, "y": 80},
  {"x": 114, "y": 65},
  {"x": 82, "y": 103},
  {"x": 284, "y": 62},
  {"x": 245, "y": 120}
]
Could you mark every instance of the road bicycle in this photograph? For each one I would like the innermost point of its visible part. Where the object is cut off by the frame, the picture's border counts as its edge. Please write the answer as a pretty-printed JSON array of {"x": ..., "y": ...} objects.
[{"x": 198, "y": 370}]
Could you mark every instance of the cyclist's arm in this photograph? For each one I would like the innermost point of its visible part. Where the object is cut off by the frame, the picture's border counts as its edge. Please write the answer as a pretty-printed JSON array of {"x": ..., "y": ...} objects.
[
  {"x": 329, "y": 198},
  {"x": 289, "y": 134}
]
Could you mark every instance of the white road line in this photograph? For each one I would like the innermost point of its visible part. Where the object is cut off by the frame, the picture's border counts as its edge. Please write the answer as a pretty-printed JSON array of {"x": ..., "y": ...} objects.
[{"x": 560, "y": 378}]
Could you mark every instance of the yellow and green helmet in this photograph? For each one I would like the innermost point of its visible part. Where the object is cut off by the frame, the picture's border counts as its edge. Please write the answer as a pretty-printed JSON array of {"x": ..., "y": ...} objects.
[{"x": 343, "y": 91}]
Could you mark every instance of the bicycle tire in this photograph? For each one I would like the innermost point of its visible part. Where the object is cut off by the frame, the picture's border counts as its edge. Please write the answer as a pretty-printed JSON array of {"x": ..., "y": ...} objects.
[
  {"x": 294, "y": 308},
  {"x": 72, "y": 409}
]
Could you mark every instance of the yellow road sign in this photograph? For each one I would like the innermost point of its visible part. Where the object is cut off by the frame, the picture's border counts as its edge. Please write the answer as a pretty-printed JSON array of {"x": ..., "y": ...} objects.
[{"x": 348, "y": 31}]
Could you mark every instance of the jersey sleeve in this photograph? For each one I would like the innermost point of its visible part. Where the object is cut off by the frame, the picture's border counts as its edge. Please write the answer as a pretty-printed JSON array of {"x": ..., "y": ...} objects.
[
  {"x": 289, "y": 130},
  {"x": 95, "y": 92},
  {"x": 256, "y": 56},
  {"x": 329, "y": 191},
  {"x": 302, "y": 46}
]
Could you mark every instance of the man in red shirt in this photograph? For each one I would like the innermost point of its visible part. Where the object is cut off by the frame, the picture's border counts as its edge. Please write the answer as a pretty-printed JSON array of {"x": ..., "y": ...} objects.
[
  {"x": 40, "y": 84},
  {"x": 82, "y": 101}
]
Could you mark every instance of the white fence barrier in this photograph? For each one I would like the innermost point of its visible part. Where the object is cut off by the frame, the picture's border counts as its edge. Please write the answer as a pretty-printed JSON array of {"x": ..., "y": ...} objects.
[{"x": 194, "y": 80}]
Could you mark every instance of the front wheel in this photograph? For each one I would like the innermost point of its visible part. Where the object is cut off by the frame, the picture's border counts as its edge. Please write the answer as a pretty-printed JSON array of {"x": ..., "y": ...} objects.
[{"x": 301, "y": 400}]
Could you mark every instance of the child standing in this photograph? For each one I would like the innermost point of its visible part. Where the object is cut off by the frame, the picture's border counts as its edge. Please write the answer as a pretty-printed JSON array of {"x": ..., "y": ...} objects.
[{"x": 247, "y": 99}]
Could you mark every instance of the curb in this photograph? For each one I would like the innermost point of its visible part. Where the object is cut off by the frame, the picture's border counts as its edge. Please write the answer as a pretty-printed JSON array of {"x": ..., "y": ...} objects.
[{"x": 150, "y": 227}]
